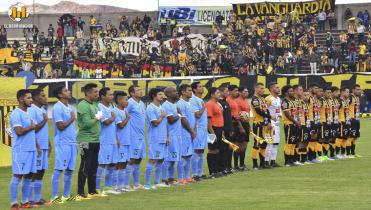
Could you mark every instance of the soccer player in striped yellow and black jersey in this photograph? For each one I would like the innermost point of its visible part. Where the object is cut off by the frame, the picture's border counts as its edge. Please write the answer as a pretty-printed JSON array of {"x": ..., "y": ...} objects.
[
  {"x": 344, "y": 119},
  {"x": 291, "y": 123},
  {"x": 335, "y": 92},
  {"x": 326, "y": 120},
  {"x": 354, "y": 111},
  {"x": 305, "y": 127},
  {"x": 300, "y": 148},
  {"x": 262, "y": 120},
  {"x": 314, "y": 117}
]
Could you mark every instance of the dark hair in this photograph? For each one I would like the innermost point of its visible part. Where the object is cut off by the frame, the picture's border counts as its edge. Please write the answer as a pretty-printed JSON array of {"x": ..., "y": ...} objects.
[
  {"x": 232, "y": 87},
  {"x": 313, "y": 85},
  {"x": 103, "y": 91},
  {"x": 271, "y": 85},
  {"x": 285, "y": 89},
  {"x": 259, "y": 84},
  {"x": 183, "y": 87},
  {"x": 241, "y": 88},
  {"x": 22, "y": 93},
  {"x": 295, "y": 87},
  {"x": 333, "y": 89},
  {"x": 132, "y": 89},
  {"x": 118, "y": 95},
  {"x": 194, "y": 85},
  {"x": 327, "y": 88},
  {"x": 212, "y": 91},
  {"x": 36, "y": 93},
  {"x": 153, "y": 92},
  {"x": 344, "y": 89},
  {"x": 88, "y": 87},
  {"x": 356, "y": 86},
  {"x": 57, "y": 91},
  {"x": 222, "y": 88}
]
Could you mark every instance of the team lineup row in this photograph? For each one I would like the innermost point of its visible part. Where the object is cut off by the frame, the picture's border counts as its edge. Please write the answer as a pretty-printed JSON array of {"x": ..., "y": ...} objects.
[{"x": 111, "y": 138}]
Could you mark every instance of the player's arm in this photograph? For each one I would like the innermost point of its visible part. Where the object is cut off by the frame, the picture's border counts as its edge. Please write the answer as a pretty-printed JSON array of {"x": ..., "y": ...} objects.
[
  {"x": 20, "y": 131},
  {"x": 199, "y": 113},
  {"x": 83, "y": 113},
  {"x": 42, "y": 123},
  {"x": 156, "y": 122},
  {"x": 123, "y": 123},
  {"x": 171, "y": 118},
  {"x": 286, "y": 111},
  {"x": 209, "y": 126},
  {"x": 256, "y": 104},
  {"x": 110, "y": 120},
  {"x": 63, "y": 125}
]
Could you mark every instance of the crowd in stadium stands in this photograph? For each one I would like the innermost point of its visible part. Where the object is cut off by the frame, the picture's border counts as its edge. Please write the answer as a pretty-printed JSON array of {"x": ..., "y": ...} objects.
[{"x": 281, "y": 44}]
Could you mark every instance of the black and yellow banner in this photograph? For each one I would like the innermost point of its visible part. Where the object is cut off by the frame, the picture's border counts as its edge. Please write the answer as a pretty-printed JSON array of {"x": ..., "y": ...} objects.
[{"x": 273, "y": 8}]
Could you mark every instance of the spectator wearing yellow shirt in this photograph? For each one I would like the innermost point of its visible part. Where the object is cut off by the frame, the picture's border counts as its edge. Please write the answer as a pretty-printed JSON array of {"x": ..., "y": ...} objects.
[
  {"x": 93, "y": 24},
  {"x": 362, "y": 54}
]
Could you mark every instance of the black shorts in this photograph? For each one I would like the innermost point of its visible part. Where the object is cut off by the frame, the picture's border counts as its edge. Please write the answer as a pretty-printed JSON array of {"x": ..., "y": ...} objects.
[
  {"x": 245, "y": 137},
  {"x": 355, "y": 125},
  {"x": 257, "y": 128},
  {"x": 314, "y": 130},
  {"x": 291, "y": 134},
  {"x": 325, "y": 132},
  {"x": 217, "y": 144},
  {"x": 305, "y": 134},
  {"x": 335, "y": 131},
  {"x": 344, "y": 130}
]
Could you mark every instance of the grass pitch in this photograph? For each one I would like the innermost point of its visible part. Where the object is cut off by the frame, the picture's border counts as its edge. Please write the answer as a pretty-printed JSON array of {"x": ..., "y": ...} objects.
[{"x": 343, "y": 184}]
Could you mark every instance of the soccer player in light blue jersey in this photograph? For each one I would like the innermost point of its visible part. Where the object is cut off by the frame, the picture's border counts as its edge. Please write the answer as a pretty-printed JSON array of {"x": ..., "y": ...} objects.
[
  {"x": 157, "y": 138},
  {"x": 136, "y": 111},
  {"x": 38, "y": 113},
  {"x": 23, "y": 150},
  {"x": 64, "y": 117},
  {"x": 175, "y": 135},
  {"x": 108, "y": 151},
  {"x": 123, "y": 135},
  {"x": 200, "y": 142},
  {"x": 188, "y": 133}
]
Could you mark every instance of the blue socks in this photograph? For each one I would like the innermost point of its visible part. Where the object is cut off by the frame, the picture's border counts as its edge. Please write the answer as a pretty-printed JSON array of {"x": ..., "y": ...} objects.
[
  {"x": 187, "y": 167},
  {"x": 26, "y": 190},
  {"x": 171, "y": 169},
  {"x": 99, "y": 177},
  {"x": 158, "y": 167},
  {"x": 148, "y": 173},
  {"x": 67, "y": 179},
  {"x": 55, "y": 182},
  {"x": 136, "y": 174},
  {"x": 180, "y": 169},
  {"x": 120, "y": 178},
  {"x": 195, "y": 160},
  {"x": 165, "y": 166},
  {"x": 127, "y": 175},
  {"x": 114, "y": 177},
  {"x": 108, "y": 177},
  {"x": 14, "y": 189},
  {"x": 200, "y": 164},
  {"x": 37, "y": 186}
]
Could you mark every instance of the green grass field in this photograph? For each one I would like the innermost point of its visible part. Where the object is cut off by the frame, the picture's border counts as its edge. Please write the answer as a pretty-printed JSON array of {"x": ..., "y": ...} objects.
[{"x": 343, "y": 184}]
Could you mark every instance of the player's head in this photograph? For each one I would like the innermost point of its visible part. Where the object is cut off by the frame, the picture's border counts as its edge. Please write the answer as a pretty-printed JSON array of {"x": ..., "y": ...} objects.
[
  {"x": 185, "y": 91},
  {"x": 233, "y": 91},
  {"x": 39, "y": 97},
  {"x": 259, "y": 89},
  {"x": 91, "y": 91},
  {"x": 62, "y": 92},
  {"x": 306, "y": 95},
  {"x": 274, "y": 88},
  {"x": 298, "y": 90},
  {"x": 320, "y": 92},
  {"x": 224, "y": 92},
  {"x": 344, "y": 92},
  {"x": 357, "y": 90},
  {"x": 197, "y": 88},
  {"x": 106, "y": 95},
  {"x": 244, "y": 92},
  {"x": 135, "y": 91},
  {"x": 287, "y": 91},
  {"x": 171, "y": 93},
  {"x": 313, "y": 89},
  {"x": 335, "y": 92},
  {"x": 327, "y": 92},
  {"x": 156, "y": 94},
  {"x": 121, "y": 99},
  {"x": 24, "y": 97},
  {"x": 214, "y": 93}
]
